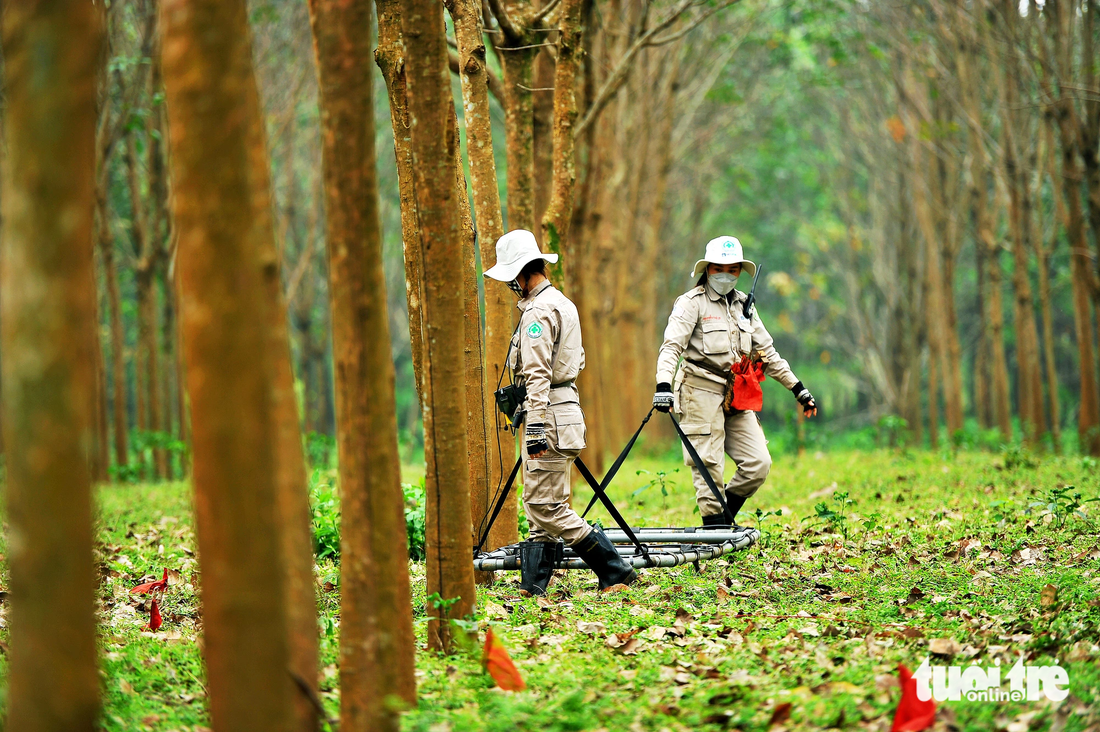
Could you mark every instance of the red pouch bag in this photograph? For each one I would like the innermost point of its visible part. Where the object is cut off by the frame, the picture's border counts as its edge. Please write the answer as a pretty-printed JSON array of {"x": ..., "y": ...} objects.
[{"x": 747, "y": 396}]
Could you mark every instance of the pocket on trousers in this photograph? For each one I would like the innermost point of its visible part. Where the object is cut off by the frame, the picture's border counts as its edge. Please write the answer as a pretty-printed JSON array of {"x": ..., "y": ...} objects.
[
  {"x": 702, "y": 438},
  {"x": 569, "y": 425},
  {"x": 546, "y": 481}
]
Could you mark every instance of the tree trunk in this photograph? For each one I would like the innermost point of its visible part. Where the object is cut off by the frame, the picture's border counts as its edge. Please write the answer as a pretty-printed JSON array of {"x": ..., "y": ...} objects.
[
  {"x": 114, "y": 314},
  {"x": 477, "y": 431},
  {"x": 449, "y": 569},
  {"x": 377, "y": 651},
  {"x": 390, "y": 57},
  {"x": 1069, "y": 186},
  {"x": 222, "y": 208},
  {"x": 519, "y": 135},
  {"x": 559, "y": 212},
  {"x": 1088, "y": 420},
  {"x": 1029, "y": 383},
  {"x": 48, "y": 320},
  {"x": 542, "y": 131},
  {"x": 1045, "y": 252},
  {"x": 498, "y": 310}
]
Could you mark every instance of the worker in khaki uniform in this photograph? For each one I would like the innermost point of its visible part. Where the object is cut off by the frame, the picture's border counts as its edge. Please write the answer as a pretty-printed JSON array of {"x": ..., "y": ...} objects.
[
  {"x": 709, "y": 329},
  {"x": 546, "y": 355}
]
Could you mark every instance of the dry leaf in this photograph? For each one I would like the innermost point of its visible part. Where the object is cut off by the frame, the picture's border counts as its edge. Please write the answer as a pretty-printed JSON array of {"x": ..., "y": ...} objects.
[
  {"x": 1049, "y": 597},
  {"x": 781, "y": 714},
  {"x": 944, "y": 646},
  {"x": 591, "y": 628}
]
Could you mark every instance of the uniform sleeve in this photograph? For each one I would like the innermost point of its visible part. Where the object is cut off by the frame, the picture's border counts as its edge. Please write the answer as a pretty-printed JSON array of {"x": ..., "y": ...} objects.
[
  {"x": 538, "y": 331},
  {"x": 681, "y": 324},
  {"x": 774, "y": 365}
]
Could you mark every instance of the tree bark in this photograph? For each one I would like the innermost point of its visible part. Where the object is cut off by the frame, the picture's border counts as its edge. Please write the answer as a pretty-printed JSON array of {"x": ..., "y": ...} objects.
[
  {"x": 1045, "y": 252},
  {"x": 377, "y": 646},
  {"x": 1058, "y": 65},
  {"x": 559, "y": 212},
  {"x": 486, "y": 197},
  {"x": 47, "y": 310},
  {"x": 222, "y": 208},
  {"x": 1029, "y": 383},
  {"x": 390, "y": 57},
  {"x": 114, "y": 314},
  {"x": 449, "y": 569},
  {"x": 477, "y": 431}
]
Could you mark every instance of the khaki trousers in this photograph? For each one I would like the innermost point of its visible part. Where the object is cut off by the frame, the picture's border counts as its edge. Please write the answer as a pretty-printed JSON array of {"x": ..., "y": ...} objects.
[
  {"x": 546, "y": 479},
  {"x": 714, "y": 434}
]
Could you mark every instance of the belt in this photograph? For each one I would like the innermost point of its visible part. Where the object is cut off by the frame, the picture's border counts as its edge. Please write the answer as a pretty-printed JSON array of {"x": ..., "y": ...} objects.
[
  {"x": 562, "y": 385},
  {"x": 723, "y": 374}
]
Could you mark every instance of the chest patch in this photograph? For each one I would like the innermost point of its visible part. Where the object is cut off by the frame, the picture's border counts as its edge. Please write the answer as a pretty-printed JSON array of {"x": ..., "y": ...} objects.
[
  {"x": 709, "y": 318},
  {"x": 534, "y": 331}
]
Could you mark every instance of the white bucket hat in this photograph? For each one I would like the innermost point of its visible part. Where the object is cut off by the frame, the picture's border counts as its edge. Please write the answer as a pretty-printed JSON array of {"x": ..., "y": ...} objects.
[
  {"x": 514, "y": 250},
  {"x": 724, "y": 250}
]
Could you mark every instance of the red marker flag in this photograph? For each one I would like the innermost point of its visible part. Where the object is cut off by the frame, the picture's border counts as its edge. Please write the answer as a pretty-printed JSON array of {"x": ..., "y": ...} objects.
[
  {"x": 152, "y": 587},
  {"x": 499, "y": 664},
  {"x": 154, "y": 617},
  {"x": 912, "y": 715}
]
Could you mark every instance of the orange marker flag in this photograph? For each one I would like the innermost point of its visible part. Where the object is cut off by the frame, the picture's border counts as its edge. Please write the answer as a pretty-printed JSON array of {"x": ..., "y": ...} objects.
[{"x": 498, "y": 663}]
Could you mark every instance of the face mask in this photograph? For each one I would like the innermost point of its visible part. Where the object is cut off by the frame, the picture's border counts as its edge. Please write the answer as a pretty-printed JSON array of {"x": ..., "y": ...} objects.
[
  {"x": 514, "y": 287},
  {"x": 722, "y": 282}
]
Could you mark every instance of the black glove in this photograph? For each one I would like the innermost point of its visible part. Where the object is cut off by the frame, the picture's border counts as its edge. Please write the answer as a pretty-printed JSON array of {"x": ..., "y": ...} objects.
[
  {"x": 662, "y": 400},
  {"x": 535, "y": 436},
  {"x": 804, "y": 397}
]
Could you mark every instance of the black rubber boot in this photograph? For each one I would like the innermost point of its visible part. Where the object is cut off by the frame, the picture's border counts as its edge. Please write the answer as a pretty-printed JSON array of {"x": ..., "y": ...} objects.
[
  {"x": 536, "y": 565},
  {"x": 600, "y": 555},
  {"x": 734, "y": 503},
  {"x": 715, "y": 519}
]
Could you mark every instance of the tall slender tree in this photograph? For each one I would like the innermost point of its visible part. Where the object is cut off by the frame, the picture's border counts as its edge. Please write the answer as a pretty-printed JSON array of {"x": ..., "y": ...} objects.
[
  {"x": 433, "y": 140},
  {"x": 486, "y": 199},
  {"x": 48, "y": 315},
  {"x": 223, "y": 213},
  {"x": 377, "y": 652}
]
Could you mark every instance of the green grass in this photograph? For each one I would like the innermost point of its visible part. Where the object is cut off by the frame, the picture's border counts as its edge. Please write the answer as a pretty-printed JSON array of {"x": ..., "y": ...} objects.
[{"x": 712, "y": 651}]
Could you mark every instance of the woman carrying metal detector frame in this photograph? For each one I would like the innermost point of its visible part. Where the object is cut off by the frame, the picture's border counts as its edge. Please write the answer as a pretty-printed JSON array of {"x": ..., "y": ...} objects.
[{"x": 716, "y": 391}]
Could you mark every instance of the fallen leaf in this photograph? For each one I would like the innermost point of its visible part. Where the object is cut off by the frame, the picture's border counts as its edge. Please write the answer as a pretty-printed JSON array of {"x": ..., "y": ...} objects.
[
  {"x": 591, "y": 628},
  {"x": 1049, "y": 597},
  {"x": 944, "y": 646},
  {"x": 656, "y": 633},
  {"x": 781, "y": 713},
  {"x": 498, "y": 663}
]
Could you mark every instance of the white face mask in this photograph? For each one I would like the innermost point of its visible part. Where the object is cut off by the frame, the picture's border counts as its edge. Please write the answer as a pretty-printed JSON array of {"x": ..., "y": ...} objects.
[{"x": 723, "y": 282}]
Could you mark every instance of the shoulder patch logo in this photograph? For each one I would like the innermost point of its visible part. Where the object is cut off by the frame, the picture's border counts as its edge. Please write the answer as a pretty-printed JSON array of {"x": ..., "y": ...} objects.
[{"x": 534, "y": 330}]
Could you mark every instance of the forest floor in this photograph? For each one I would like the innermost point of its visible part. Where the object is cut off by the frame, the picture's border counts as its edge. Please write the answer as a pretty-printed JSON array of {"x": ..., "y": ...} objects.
[{"x": 902, "y": 554}]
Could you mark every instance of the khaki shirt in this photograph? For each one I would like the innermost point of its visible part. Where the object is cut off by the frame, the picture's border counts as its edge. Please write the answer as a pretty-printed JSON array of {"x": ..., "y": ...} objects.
[
  {"x": 706, "y": 327},
  {"x": 546, "y": 349}
]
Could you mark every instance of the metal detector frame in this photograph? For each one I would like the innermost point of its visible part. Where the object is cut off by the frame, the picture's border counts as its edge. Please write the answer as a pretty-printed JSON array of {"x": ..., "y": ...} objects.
[{"x": 667, "y": 547}]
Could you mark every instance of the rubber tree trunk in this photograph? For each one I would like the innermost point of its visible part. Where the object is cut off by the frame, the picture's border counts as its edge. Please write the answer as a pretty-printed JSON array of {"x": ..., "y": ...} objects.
[
  {"x": 222, "y": 208},
  {"x": 1045, "y": 252},
  {"x": 390, "y": 57},
  {"x": 477, "y": 431},
  {"x": 559, "y": 212},
  {"x": 292, "y": 492},
  {"x": 449, "y": 568},
  {"x": 377, "y": 647},
  {"x": 114, "y": 315},
  {"x": 47, "y": 310},
  {"x": 1088, "y": 423},
  {"x": 486, "y": 199}
]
